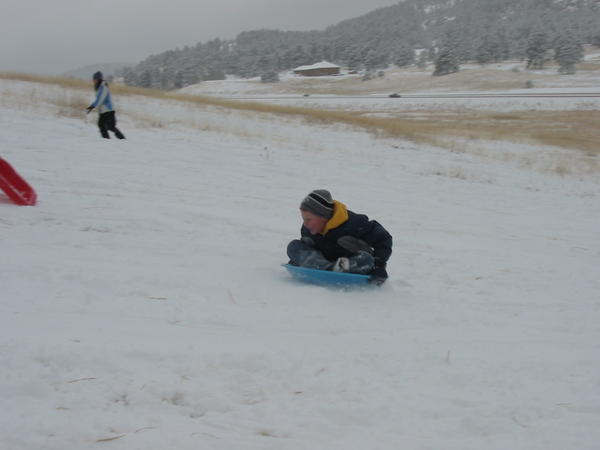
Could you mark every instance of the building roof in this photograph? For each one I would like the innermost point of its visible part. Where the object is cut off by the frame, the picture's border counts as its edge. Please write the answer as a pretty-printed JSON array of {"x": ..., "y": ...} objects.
[{"x": 319, "y": 65}]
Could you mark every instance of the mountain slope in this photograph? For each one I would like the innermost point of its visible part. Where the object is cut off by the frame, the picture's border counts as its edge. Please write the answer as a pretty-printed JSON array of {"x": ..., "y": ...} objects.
[{"x": 377, "y": 39}]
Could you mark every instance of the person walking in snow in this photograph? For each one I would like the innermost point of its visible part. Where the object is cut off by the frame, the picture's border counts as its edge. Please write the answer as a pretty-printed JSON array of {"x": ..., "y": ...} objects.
[
  {"x": 335, "y": 238},
  {"x": 107, "y": 120}
]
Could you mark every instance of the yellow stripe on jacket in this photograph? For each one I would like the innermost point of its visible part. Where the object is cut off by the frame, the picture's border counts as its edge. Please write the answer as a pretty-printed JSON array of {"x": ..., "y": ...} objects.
[{"x": 340, "y": 215}]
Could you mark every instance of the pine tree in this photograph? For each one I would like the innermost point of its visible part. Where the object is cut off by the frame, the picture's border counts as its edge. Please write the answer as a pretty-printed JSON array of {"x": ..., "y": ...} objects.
[
  {"x": 339, "y": 49},
  {"x": 145, "y": 79},
  {"x": 130, "y": 77},
  {"x": 446, "y": 62},
  {"x": 300, "y": 57},
  {"x": 502, "y": 47},
  {"x": 354, "y": 61},
  {"x": 269, "y": 77},
  {"x": 164, "y": 81},
  {"x": 405, "y": 56},
  {"x": 432, "y": 53},
  {"x": 371, "y": 60},
  {"x": 537, "y": 46},
  {"x": 178, "y": 80},
  {"x": 484, "y": 53},
  {"x": 189, "y": 75},
  {"x": 567, "y": 52},
  {"x": 315, "y": 52}
]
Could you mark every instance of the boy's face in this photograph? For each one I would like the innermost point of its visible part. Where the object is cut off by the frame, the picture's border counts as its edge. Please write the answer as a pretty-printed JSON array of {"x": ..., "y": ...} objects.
[{"x": 315, "y": 224}]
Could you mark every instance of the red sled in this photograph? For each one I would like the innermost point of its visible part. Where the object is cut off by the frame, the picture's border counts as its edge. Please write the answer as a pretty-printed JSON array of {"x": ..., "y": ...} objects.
[{"x": 17, "y": 189}]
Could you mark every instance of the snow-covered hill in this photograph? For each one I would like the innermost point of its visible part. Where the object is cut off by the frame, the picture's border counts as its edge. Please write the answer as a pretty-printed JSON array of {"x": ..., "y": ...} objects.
[{"x": 144, "y": 306}]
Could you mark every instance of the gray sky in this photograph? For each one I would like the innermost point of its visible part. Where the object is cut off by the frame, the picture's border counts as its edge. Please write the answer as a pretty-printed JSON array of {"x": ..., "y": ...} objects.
[{"x": 53, "y": 36}]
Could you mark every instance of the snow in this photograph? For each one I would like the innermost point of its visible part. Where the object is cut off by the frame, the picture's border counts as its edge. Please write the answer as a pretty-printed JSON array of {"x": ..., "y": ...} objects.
[
  {"x": 592, "y": 56},
  {"x": 144, "y": 306},
  {"x": 347, "y": 92},
  {"x": 383, "y": 105}
]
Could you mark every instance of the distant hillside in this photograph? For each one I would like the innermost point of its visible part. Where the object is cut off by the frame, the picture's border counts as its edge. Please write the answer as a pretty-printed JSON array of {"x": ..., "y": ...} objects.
[{"x": 467, "y": 30}]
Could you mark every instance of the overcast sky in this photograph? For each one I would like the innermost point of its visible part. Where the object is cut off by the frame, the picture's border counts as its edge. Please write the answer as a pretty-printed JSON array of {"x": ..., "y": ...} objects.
[{"x": 53, "y": 36}]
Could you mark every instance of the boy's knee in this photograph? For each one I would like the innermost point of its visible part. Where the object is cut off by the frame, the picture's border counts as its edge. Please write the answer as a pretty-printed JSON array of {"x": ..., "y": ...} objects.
[{"x": 293, "y": 247}]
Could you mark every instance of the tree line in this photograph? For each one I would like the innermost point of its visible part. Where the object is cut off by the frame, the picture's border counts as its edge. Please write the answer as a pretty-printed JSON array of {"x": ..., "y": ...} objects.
[{"x": 411, "y": 32}]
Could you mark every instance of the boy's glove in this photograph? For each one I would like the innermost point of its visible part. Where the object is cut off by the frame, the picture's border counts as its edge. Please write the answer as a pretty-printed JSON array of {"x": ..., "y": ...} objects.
[
  {"x": 89, "y": 109},
  {"x": 378, "y": 274}
]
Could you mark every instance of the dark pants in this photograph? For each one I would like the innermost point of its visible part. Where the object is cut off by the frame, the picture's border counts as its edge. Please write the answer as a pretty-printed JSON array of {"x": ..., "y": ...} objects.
[
  {"x": 302, "y": 254},
  {"x": 108, "y": 122}
]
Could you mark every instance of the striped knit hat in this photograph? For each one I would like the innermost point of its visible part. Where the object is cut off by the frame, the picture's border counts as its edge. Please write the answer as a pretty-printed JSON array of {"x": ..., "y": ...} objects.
[{"x": 318, "y": 202}]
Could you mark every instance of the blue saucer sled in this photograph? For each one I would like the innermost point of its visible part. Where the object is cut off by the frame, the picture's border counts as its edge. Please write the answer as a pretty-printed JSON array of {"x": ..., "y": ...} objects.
[{"x": 326, "y": 277}]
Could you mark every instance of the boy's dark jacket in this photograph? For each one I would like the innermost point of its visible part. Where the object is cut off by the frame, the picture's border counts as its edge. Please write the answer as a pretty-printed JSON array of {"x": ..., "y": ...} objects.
[{"x": 347, "y": 223}]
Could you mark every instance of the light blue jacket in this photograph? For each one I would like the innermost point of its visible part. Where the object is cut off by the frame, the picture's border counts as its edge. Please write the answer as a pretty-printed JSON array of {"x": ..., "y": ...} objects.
[{"x": 103, "y": 100}]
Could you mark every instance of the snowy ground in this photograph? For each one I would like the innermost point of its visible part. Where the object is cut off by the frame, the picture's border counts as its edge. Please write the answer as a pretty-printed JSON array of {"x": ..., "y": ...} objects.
[
  {"x": 383, "y": 105},
  {"x": 143, "y": 305},
  {"x": 349, "y": 93}
]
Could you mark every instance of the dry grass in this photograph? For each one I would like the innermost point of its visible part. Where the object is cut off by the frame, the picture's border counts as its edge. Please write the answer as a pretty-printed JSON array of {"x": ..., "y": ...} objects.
[
  {"x": 411, "y": 80},
  {"x": 571, "y": 129},
  {"x": 588, "y": 67},
  {"x": 71, "y": 83},
  {"x": 576, "y": 130},
  {"x": 389, "y": 127},
  {"x": 70, "y": 105}
]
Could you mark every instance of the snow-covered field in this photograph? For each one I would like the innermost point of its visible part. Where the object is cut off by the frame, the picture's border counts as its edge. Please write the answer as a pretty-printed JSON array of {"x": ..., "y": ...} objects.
[
  {"x": 348, "y": 92},
  {"x": 144, "y": 306}
]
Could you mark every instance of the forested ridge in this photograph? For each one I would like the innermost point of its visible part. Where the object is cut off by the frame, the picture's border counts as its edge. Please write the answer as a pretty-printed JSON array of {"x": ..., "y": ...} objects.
[{"x": 449, "y": 33}]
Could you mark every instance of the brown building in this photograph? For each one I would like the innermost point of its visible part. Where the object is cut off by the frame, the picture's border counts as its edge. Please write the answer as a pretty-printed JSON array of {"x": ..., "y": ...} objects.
[{"x": 317, "y": 70}]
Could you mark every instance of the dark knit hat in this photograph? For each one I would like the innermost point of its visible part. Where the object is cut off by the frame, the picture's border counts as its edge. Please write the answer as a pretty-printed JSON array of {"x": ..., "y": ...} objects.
[
  {"x": 98, "y": 76},
  {"x": 318, "y": 202}
]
